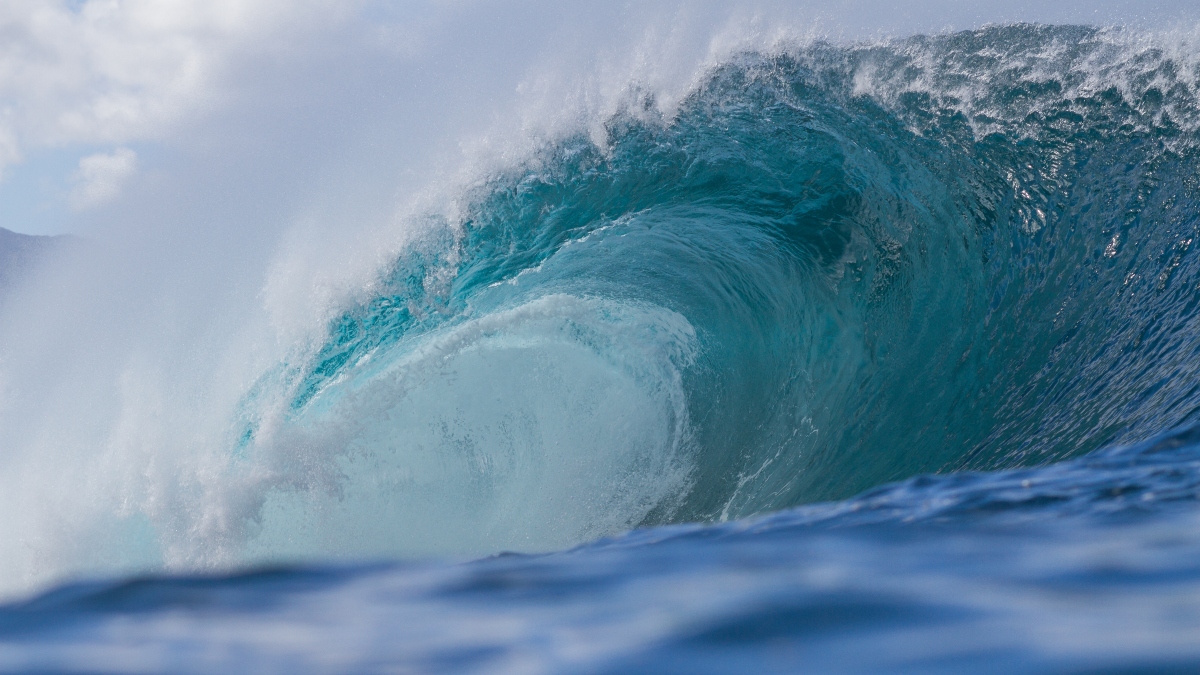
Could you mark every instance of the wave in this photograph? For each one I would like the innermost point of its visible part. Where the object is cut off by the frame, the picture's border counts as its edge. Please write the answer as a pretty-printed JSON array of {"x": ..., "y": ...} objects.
[{"x": 826, "y": 269}]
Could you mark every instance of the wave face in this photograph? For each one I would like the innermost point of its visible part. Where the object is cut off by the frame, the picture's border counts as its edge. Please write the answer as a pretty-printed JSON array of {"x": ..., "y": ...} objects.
[{"x": 827, "y": 269}]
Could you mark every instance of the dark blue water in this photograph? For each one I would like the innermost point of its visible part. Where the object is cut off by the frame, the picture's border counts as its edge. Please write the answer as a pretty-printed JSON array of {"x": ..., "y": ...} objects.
[
  {"x": 958, "y": 267},
  {"x": 1087, "y": 566}
]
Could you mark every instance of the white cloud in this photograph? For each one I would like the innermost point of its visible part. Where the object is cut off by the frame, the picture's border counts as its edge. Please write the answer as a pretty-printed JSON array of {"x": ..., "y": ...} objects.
[
  {"x": 121, "y": 71},
  {"x": 101, "y": 176}
]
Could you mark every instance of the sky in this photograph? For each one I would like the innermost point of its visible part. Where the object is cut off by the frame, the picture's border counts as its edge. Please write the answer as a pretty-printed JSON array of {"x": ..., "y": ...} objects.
[{"x": 110, "y": 107}]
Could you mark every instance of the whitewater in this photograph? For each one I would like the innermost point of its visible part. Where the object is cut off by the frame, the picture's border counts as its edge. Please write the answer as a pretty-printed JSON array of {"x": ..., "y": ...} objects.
[{"x": 774, "y": 350}]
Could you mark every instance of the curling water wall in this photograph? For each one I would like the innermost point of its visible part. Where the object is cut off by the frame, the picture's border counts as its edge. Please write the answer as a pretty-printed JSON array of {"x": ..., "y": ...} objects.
[
  {"x": 811, "y": 269},
  {"x": 829, "y": 268}
]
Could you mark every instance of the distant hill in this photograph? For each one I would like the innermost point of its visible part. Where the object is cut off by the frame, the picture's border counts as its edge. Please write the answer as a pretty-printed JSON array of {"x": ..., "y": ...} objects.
[{"x": 19, "y": 251}]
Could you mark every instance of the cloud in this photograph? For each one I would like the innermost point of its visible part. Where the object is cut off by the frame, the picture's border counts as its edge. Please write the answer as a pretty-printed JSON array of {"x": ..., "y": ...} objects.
[
  {"x": 122, "y": 71},
  {"x": 101, "y": 176}
]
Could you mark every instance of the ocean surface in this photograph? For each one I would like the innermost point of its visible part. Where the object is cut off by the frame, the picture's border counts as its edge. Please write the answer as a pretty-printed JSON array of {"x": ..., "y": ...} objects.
[{"x": 878, "y": 357}]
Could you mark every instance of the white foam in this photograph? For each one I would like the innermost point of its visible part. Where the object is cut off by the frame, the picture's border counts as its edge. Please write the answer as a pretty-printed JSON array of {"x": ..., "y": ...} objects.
[{"x": 531, "y": 428}]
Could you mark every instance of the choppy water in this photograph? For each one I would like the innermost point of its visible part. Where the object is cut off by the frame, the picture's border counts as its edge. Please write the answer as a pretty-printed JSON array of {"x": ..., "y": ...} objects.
[{"x": 963, "y": 262}]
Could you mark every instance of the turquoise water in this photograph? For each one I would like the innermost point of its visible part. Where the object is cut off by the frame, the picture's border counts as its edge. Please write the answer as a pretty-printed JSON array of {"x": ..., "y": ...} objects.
[{"x": 960, "y": 267}]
